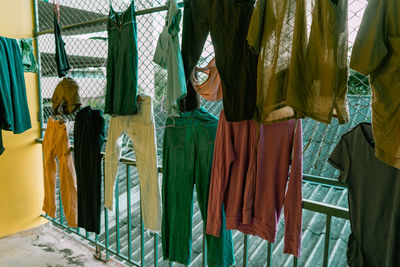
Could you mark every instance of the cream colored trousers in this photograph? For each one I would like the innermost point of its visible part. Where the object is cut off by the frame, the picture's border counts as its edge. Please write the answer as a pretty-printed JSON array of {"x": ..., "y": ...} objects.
[{"x": 140, "y": 129}]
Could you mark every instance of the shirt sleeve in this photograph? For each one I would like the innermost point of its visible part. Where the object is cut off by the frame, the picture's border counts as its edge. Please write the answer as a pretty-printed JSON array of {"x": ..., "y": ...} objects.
[
  {"x": 223, "y": 157},
  {"x": 174, "y": 19},
  {"x": 159, "y": 55},
  {"x": 370, "y": 45},
  {"x": 340, "y": 159},
  {"x": 293, "y": 205},
  {"x": 255, "y": 32}
]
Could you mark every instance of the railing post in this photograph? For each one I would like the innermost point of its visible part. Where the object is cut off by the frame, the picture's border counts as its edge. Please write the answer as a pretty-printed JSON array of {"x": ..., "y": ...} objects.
[
  {"x": 269, "y": 254},
  {"x": 204, "y": 256},
  {"x": 116, "y": 195},
  {"x": 143, "y": 256},
  {"x": 60, "y": 204},
  {"x": 295, "y": 261},
  {"x": 245, "y": 250},
  {"x": 39, "y": 64},
  {"x": 105, "y": 217},
  {"x": 128, "y": 203},
  {"x": 155, "y": 250},
  {"x": 327, "y": 239}
]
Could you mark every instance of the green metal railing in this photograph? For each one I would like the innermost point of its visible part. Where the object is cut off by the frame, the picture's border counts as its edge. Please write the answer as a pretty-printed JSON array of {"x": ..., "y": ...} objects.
[{"x": 104, "y": 243}]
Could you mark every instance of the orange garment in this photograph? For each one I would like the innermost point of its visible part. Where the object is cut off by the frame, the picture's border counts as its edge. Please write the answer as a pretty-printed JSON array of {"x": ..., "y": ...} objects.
[
  {"x": 211, "y": 89},
  {"x": 56, "y": 144}
]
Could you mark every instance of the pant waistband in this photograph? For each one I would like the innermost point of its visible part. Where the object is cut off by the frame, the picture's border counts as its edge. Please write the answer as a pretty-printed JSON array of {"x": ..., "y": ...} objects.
[{"x": 55, "y": 124}]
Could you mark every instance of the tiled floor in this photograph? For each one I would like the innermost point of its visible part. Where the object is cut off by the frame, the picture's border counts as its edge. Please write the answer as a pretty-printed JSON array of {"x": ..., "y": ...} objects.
[{"x": 47, "y": 246}]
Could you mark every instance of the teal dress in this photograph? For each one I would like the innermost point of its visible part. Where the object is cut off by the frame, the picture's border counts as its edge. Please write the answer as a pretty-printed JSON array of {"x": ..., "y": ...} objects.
[{"x": 122, "y": 63}]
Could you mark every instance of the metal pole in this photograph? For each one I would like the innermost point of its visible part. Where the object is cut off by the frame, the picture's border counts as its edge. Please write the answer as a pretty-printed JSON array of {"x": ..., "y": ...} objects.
[
  {"x": 269, "y": 254},
  {"x": 36, "y": 43},
  {"x": 128, "y": 200},
  {"x": 327, "y": 239},
  {"x": 245, "y": 251},
  {"x": 104, "y": 20},
  {"x": 155, "y": 250},
  {"x": 116, "y": 195}
]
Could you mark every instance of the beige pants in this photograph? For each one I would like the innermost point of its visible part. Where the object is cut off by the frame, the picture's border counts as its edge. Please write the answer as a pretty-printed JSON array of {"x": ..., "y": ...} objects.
[
  {"x": 140, "y": 129},
  {"x": 56, "y": 144}
]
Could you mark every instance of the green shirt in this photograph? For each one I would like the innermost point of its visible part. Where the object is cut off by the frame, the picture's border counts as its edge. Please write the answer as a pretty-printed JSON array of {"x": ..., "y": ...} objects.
[
  {"x": 168, "y": 55},
  {"x": 300, "y": 75}
]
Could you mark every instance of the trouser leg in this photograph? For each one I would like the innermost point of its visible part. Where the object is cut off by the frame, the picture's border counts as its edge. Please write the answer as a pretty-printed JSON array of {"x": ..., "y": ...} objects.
[
  {"x": 142, "y": 133},
  {"x": 50, "y": 173},
  {"x": 219, "y": 250},
  {"x": 177, "y": 191},
  {"x": 67, "y": 180},
  {"x": 113, "y": 153},
  {"x": 194, "y": 35},
  {"x": 237, "y": 65}
]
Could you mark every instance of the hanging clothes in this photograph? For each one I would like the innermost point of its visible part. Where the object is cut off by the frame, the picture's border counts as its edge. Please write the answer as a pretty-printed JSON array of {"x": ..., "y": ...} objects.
[
  {"x": 373, "y": 195},
  {"x": 168, "y": 55},
  {"x": 14, "y": 111},
  {"x": 89, "y": 134},
  {"x": 211, "y": 88},
  {"x": 28, "y": 58},
  {"x": 66, "y": 98},
  {"x": 187, "y": 159},
  {"x": 228, "y": 22},
  {"x": 295, "y": 77},
  {"x": 140, "y": 129},
  {"x": 61, "y": 58},
  {"x": 56, "y": 145},
  {"x": 250, "y": 179},
  {"x": 122, "y": 62},
  {"x": 376, "y": 52}
]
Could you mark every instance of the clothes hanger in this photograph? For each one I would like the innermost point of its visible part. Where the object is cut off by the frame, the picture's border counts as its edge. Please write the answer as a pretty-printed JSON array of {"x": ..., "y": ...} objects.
[{"x": 164, "y": 111}]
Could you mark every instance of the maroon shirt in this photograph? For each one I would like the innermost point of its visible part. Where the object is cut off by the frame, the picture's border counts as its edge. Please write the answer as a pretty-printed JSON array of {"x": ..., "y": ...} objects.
[{"x": 250, "y": 179}]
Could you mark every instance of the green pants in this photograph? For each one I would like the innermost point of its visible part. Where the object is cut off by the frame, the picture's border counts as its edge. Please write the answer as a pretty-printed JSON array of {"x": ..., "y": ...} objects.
[{"x": 187, "y": 159}]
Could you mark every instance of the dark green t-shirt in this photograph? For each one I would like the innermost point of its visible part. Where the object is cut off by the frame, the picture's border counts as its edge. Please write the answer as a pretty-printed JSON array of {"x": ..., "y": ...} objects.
[{"x": 374, "y": 200}]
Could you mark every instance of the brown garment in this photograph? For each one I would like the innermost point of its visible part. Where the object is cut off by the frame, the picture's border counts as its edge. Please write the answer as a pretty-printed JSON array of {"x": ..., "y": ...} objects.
[
  {"x": 299, "y": 75},
  {"x": 211, "y": 88},
  {"x": 376, "y": 52},
  {"x": 56, "y": 144},
  {"x": 66, "y": 95}
]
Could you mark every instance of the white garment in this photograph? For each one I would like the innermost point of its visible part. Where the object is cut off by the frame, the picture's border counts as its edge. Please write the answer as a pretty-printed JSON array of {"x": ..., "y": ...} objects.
[{"x": 140, "y": 129}]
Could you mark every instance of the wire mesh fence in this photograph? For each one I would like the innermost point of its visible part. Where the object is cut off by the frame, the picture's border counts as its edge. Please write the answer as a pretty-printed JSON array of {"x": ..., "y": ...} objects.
[
  {"x": 84, "y": 32},
  {"x": 85, "y": 37}
]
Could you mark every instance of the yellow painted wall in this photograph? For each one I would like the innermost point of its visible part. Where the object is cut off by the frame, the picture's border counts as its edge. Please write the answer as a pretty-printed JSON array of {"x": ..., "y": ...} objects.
[{"x": 21, "y": 172}]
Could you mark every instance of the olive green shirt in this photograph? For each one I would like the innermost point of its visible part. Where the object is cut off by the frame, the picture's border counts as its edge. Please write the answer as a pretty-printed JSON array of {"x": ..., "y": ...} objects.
[
  {"x": 300, "y": 75},
  {"x": 376, "y": 52}
]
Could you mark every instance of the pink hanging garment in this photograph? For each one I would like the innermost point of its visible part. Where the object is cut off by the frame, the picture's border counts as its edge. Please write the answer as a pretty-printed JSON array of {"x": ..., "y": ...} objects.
[{"x": 211, "y": 89}]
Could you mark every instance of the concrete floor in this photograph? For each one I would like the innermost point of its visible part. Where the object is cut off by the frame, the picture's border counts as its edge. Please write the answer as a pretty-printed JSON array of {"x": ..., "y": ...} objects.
[{"x": 47, "y": 246}]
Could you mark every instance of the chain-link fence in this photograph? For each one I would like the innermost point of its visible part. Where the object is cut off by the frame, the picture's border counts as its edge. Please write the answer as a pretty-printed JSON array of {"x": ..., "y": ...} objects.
[
  {"x": 85, "y": 37},
  {"x": 83, "y": 25}
]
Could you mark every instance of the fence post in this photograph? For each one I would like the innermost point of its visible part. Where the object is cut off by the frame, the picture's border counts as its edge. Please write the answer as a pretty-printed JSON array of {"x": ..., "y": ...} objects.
[
  {"x": 128, "y": 200},
  {"x": 245, "y": 250},
  {"x": 327, "y": 239}
]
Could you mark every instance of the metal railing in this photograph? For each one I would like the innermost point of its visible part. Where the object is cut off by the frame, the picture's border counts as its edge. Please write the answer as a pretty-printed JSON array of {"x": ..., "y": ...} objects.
[{"x": 110, "y": 241}]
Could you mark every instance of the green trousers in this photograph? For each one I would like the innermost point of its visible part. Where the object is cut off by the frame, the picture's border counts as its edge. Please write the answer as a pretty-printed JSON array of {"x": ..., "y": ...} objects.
[{"x": 187, "y": 159}]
